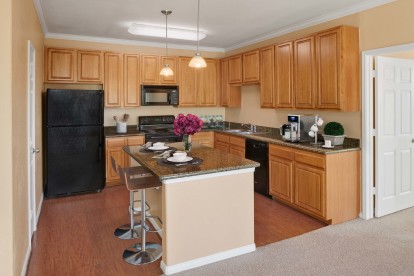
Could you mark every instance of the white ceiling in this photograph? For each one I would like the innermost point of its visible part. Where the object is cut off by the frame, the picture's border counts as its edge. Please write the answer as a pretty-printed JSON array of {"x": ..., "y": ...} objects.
[{"x": 228, "y": 24}]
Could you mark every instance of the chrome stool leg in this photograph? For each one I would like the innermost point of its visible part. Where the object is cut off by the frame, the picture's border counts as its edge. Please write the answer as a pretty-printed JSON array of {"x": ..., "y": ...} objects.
[
  {"x": 131, "y": 230},
  {"x": 144, "y": 252}
]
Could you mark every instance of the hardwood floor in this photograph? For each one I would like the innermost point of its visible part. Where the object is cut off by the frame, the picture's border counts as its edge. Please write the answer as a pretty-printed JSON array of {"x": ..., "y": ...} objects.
[{"x": 75, "y": 234}]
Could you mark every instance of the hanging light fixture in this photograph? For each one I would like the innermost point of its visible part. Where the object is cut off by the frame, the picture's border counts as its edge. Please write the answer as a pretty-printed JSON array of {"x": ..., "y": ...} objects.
[
  {"x": 198, "y": 61},
  {"x": 166, "y": 70}
]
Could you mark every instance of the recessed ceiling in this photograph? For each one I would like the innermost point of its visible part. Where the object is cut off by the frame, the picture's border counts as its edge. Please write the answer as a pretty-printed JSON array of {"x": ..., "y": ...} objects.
[{"x": 228, "y": 24}]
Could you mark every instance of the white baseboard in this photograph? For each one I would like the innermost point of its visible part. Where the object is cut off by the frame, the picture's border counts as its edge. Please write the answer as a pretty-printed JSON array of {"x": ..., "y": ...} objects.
[
  {"x": 26, "y": 260},
  {"x": 168, "y": 270},
  {"x": 39, "y": 210}
]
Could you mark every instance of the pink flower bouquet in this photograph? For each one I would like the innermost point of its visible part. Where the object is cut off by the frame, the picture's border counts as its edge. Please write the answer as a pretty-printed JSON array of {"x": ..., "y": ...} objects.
[{"x": 187, "y": 125}]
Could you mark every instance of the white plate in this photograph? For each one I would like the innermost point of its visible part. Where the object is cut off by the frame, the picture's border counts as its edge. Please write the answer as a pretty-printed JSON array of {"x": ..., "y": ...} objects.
[
  {"x": 327, "y": 147},
  {"x": 158, "y": 148},
  {"x": 172, "y": 159}
]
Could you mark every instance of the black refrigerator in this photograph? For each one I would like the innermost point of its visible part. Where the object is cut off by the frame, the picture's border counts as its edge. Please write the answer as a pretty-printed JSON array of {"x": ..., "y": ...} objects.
[{"x": 74, "y": 153}]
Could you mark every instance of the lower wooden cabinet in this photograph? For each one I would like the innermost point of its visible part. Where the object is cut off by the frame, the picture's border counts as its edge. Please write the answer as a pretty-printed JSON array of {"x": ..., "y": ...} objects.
[
  {"x": 230, "y": 144},
  {"x": 204, "y": 138},
  {"x": 114, "y": 147},
  {"x": 326, "y": 187}
]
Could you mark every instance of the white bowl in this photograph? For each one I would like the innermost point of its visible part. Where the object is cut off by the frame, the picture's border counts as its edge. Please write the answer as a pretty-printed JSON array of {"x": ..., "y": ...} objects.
[
  {"x": 179, "y": 155},
  {"x": 158, "y": 145}
]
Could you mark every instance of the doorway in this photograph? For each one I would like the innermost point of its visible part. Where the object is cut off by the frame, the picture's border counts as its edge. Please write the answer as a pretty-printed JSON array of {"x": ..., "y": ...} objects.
[{"x": 387, "y": 130}]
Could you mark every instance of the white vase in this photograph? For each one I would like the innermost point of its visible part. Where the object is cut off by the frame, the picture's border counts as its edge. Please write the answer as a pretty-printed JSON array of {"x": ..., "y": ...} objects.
[
  {"x": 121, "y": 127},
  {"x": 335, "y": 140}
]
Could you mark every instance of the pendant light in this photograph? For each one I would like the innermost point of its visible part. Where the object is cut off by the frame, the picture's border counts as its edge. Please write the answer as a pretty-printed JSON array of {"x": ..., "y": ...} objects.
[
  {"x": 198, "y": 61},
  {"x": 166, "y": 70}
]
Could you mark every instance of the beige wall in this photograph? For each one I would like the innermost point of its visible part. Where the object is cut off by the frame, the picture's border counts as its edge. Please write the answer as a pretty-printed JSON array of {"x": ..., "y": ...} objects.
[
  {"x": 25, "y": 26},
  {"x": 384, "y": 26},
  {"x": 6, "y": 202},
  {"x": 404, "y": 55}
]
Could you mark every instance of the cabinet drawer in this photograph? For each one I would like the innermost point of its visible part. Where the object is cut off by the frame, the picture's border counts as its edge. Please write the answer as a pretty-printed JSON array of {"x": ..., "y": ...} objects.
[
  {"x": 135, "y": 140},
  {"x": 282, "y": 152},
  {"x": 202, "y": 136},
  {"x": 222, "y": 138},
  {"x": 312, "y": 159},
  {"x": 115, "y": 142},
  {"x": 237, "y": 141},
  {"x": 222, "y": 146}
]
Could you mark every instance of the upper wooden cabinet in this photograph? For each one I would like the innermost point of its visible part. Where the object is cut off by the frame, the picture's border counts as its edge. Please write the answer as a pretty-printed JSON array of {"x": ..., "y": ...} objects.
[
  {"x": 267, "y": 72},
  {"x": 173, "y": 64},
  {"x": 284, "y": 75},
  {"x": 60, "y": 65},
  {"x": 230, "y": 94},
  {"x": 304, "y": 76},
  {"x": 122, "y": 85},
  {"x": 251, "y": 69},
  {"x": 338, "y": 69},
  {"x": 90, "y": 66},
  {"x": 198, "y": 86},
  {"x": 69, "y": 66},
  {"x": 235, "y": 69},
  {"x": 150, "y": 69}
]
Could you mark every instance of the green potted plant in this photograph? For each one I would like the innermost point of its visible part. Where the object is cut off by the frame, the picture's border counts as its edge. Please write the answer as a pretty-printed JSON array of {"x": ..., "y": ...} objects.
[{"x": 334, "y": 132}]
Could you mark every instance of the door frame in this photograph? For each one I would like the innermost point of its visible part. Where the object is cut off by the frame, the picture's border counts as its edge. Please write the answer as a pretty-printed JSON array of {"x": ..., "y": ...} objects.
[{"x": 368, "y": 131}]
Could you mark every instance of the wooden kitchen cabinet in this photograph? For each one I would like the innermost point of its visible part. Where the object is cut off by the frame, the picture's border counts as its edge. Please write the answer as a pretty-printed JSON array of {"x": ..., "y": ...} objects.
[
  {"x": 251, "y": 68},
  {"x": 173, "y": 64},
  {"x": 90, "y": 66},
  {"x": 204, "y": 138},
  {"x": 267, "y": 74},
  {"x": 60, "y": 65},
  {"x": 132, "y": 88},
  {"x": 150, "y": 69},
  {"x": 235, "y": 69},
  {"x": 114, "y": 147},
  {"x": 338, "y": 69},
  {"x": 284, "y": 75},
  {"x": 230, "y": 94},
  {"x": 326, "y": 187},
  {"x": 230, "y": 144},
  {"x": 304, "y": 69},
  {"x": 188, "y": 82}
]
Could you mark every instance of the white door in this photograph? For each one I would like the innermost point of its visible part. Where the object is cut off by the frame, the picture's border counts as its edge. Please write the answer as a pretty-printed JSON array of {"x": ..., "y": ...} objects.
[
  {"x": 32, "y": 150},
  {"x": 394, "y": 107}
]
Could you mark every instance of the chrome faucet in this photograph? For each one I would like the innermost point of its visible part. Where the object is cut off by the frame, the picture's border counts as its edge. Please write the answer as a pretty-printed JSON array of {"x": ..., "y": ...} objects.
[{"x": 250, "y": 127}]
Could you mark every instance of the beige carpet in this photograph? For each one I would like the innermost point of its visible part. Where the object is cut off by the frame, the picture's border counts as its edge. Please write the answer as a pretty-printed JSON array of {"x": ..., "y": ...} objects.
[{"x": 383, "y": 246}]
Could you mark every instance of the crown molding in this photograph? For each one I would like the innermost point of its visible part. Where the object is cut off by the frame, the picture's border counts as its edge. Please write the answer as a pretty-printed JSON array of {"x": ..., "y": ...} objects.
[
  {"x": 130, "y": 42},
  {"x": 362, "y": 6},
  {"x": 39, "y": 10}
]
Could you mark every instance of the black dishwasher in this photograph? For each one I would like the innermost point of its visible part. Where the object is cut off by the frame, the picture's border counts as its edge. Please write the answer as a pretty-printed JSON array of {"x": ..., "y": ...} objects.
[{"x": 258, "y": 151}]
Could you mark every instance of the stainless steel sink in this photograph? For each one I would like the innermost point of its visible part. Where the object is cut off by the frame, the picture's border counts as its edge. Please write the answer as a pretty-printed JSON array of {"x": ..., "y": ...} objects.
[{"x": 242, "y": 131}]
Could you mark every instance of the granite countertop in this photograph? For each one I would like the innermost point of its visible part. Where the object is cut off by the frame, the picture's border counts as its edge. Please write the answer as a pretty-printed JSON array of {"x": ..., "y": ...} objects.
[
  {"x": 110, "y": 131},
  {"x": 213, "y": 161}
]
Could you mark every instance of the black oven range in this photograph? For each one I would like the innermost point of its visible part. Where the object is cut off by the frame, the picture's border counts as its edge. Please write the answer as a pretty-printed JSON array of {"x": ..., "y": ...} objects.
[{"x": 158, "y": 128}]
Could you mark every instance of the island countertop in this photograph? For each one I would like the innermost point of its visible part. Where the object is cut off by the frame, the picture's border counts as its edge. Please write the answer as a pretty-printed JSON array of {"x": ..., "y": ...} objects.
[{"x": 213, "y": 161}]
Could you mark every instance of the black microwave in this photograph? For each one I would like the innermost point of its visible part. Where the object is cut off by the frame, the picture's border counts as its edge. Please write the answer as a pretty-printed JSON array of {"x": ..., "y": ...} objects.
[{"x": 159, "y": 95}]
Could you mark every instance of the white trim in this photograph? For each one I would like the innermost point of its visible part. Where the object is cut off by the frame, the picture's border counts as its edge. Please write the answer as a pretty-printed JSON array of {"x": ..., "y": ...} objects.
[
  {"x": 367, "y": 125},
  {"x": 171, "y": 269},
  {"x": 40, "y": 15},
  {"x": 205, "y": 176},
  {"x": 39, "y": 210},
  {"x": 129, "y": 42},
  {"x": 26, "y": 260},
  {"x": 362, "y": 6}
]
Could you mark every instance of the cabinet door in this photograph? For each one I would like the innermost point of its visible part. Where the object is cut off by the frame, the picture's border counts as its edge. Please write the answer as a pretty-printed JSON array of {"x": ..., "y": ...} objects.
[
  {"x": 204, "y": 138},
  {"x": 90, "y": 66},
  {"x": 251, "y": 69},
  {"x": 310, "y": 189},
  {"x": 132, "y": 87},
  {"x": 267, "y": 74},
  {"x": 230, "y": 95},
  {"x": 235, "y": 69},
  {"x": 150, "y": 69},
  {"x": 132, "y": 141},
  {"x": 239, "y": 151},
  {"x": 328, "y": 62},
  {"x": 114, "y": 149},
  {"x": 304, "y": 72},
  {"x": 173, "y": 64},
  {"x": 222, "y": 146},
  {"x": 284, "y": 75},
  {"x": 280, "y": 178},
  {"x": 60, "y": 65},
  {"x": 207, "y": 84},
  {"x": 113, "y": 84},
  {"x": 187, "y": 81}
]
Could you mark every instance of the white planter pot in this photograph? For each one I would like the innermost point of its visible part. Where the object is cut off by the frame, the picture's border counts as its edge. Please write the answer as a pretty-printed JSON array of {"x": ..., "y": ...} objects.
[{"x": 335, "y": 140}]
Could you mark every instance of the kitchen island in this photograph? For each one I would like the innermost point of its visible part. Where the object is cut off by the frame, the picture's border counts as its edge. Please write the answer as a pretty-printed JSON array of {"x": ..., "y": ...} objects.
[{"x": 207, "y": 209}]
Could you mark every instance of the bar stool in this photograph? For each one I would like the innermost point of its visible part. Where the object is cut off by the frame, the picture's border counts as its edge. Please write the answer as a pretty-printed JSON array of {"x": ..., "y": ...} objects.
[
  {"x": 130, "y": 230},
  {"x": 144, "y": 252}
]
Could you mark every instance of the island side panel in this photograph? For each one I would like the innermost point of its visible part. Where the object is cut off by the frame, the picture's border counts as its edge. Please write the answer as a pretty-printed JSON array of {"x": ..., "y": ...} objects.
[{"x": 207, "y": 216}]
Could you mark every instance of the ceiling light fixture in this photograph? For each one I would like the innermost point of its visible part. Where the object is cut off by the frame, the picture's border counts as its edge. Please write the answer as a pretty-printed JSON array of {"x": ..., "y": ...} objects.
[
  {"x": 166, "y": 70},
  {"x": 157, "y": 31},
  {"x": 198, "y": 61}
]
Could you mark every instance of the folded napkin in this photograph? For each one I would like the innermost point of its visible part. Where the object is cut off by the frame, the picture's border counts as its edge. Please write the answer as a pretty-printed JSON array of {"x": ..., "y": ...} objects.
[
  {"x": 165, "y": 154},
  {"x": 146, "y": 145}
]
